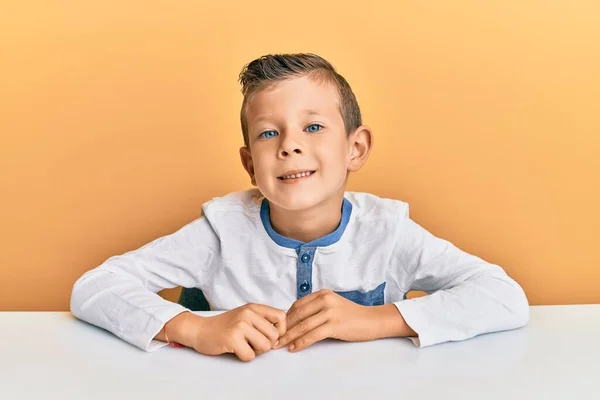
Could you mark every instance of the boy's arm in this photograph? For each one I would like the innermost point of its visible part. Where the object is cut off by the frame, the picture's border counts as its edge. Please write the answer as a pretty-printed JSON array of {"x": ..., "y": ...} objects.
[
  {"x": 467, "y": 295},
  {"x": 121, "y": 296}
]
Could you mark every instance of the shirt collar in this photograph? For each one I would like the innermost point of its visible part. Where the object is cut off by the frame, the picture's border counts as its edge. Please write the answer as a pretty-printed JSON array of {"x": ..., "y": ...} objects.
[{"x": 326, "y": 240}]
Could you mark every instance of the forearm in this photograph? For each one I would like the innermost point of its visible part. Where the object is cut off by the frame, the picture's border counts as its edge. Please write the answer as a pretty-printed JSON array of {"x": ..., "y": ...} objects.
[
  {"x": 120, "y": 304},
  {"x": 481, "y": 305}
]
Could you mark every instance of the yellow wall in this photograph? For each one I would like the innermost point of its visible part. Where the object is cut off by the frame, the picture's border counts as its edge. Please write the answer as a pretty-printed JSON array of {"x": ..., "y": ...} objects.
[{"x": 119, "y": 119}]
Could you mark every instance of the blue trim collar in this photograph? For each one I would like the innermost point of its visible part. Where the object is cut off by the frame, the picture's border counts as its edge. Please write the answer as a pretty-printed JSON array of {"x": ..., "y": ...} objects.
[{"x": 326, "y": 240}]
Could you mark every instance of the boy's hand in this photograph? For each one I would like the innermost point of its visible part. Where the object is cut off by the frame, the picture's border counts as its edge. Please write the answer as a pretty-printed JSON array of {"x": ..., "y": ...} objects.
[
  {"x": 325, "y": 314},
  {"x": 246, "y": 331}
]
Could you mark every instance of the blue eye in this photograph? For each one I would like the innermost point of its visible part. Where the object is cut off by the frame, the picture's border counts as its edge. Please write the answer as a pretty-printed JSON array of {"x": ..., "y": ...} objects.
[
  {"x": 312, "y": 128},
  {"x": 268, "y": 134}
]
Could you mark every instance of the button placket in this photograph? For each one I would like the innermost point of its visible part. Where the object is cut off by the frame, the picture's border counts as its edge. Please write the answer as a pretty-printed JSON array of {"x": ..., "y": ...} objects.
[{"x": 304, "y": 271}]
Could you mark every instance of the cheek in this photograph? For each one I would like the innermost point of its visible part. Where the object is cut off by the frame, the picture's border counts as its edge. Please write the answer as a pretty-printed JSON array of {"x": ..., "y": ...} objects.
[
  {"x": 261, "y": 168},
  {"x": 335, "y": 163},
  {"x": 339, "y": 155}
]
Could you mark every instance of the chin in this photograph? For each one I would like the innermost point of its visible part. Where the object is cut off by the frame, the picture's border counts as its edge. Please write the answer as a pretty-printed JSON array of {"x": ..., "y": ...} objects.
[{"x": 295, "y": 202}]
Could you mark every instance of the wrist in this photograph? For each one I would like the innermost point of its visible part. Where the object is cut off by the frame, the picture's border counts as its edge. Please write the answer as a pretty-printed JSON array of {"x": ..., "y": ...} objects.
[
  {"x": 390, "y": 322},
  {"x": 180, "y": 329}
]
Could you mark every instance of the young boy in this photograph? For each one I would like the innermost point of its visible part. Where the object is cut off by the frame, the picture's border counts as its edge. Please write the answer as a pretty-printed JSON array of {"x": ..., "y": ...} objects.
[{"x": 299, "y": 259}]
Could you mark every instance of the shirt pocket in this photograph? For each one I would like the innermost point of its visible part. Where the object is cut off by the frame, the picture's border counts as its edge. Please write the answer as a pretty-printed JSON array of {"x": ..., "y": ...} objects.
[{"x": 373, "y": 297}]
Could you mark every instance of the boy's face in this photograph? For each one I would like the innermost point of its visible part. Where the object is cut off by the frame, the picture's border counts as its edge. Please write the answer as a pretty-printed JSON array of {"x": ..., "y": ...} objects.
[{"x": 299, "y": 154}]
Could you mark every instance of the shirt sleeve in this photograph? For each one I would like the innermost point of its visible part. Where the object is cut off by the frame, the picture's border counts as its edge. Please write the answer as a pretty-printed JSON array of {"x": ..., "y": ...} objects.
[
  {"x": 467, "y": 296},
  {"x": 121, "y": 296}
]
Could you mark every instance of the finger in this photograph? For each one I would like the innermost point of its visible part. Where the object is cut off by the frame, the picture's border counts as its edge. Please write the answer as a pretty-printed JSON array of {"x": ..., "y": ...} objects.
[
  {"x": 266, "y": 328},
  {"x": 259, "y": 342},
  {"x": 303, "y": 301},
  {"x": 242, "y": 349},
  {"x": 273, "y": 315},
  {"x": 316, "y": 335},
  {"x": 303, "y": 311},
  {"x": 303, "y": 328}
]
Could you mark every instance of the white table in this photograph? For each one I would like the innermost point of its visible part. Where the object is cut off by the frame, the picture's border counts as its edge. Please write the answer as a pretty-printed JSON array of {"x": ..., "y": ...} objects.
[{"x": 45, "y": 355}]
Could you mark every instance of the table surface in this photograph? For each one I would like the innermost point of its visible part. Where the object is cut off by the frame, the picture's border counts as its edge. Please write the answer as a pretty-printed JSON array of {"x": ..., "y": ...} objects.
[{"x": 52, "y": 355}]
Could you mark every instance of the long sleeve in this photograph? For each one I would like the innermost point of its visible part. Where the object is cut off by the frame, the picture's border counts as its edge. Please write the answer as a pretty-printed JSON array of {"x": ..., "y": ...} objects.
[
  {"x": 121, "y": 296},
  {"x": 467, "y": 295}
]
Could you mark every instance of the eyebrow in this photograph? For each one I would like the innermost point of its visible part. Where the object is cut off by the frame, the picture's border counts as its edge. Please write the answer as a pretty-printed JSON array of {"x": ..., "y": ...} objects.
[
  {"x": 311, "y": 112},
  {"x": 305, "y": 111}
]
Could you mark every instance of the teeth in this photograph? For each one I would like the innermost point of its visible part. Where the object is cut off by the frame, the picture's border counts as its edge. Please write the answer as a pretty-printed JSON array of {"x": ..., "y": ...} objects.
[{"x": 300, "y": 175}]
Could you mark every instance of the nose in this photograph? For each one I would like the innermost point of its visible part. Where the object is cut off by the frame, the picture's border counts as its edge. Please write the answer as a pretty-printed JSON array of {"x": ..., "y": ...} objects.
[
  {"x": 288, "y": 146},
  {"x": 285, "y": 153}
]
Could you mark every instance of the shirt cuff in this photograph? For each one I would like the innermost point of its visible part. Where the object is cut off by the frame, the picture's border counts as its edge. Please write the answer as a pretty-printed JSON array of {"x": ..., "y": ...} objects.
[
  {"x": 417, "y": 320},
  {"x": 155, "y": 325}
]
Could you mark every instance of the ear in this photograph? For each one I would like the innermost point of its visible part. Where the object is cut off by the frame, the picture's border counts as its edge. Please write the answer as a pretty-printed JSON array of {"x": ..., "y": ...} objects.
[
  {"x": 246, "y": 159},
  {"x": 360, "y": 145}
]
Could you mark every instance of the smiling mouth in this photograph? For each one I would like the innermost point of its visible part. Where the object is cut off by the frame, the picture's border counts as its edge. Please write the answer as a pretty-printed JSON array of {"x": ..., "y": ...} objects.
[{"x": 297, "y": 175}]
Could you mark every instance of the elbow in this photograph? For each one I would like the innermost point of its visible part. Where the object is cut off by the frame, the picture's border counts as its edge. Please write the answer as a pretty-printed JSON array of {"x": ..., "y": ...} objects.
[
  {"x": 76, "y": 301},
  {"x": 511, "y": 296},
  {"x": 81, "y": 293},
  {"x": 518, "y": 305}
]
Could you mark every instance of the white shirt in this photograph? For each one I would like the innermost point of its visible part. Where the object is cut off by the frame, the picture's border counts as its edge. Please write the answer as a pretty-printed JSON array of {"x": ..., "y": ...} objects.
[{"x": 375, "y": 256}]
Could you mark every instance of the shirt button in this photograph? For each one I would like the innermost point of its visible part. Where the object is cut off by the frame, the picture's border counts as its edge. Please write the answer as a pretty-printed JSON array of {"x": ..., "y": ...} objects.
[
  {"x": 304, "y": 287},
  {"x": 305, "y": 258}
]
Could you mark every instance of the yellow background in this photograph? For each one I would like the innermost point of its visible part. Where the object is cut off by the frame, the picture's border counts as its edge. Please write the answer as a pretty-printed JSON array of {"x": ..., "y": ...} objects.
[{"x": 119, "y": 118}]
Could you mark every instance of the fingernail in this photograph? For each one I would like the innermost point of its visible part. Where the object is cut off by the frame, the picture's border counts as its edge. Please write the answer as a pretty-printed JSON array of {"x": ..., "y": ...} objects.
[
  {"x": 291, "y": 347},
  {"x": 276, "y": 345}
]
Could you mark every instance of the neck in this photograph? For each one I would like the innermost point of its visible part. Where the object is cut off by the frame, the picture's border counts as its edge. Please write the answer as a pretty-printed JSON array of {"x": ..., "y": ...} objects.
[{"x": 310, "y": 224}]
